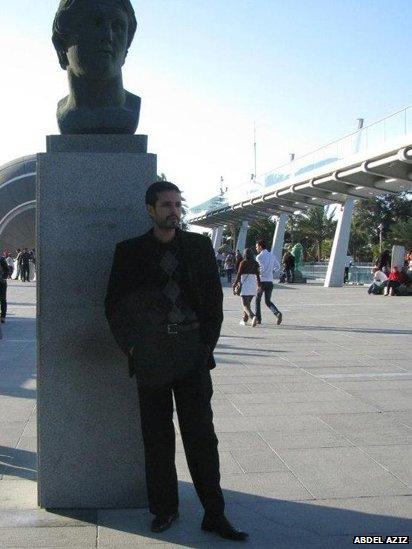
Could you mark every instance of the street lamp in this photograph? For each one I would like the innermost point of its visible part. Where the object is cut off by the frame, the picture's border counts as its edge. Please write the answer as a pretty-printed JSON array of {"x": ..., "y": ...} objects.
[{"x": 380, "y": 227}]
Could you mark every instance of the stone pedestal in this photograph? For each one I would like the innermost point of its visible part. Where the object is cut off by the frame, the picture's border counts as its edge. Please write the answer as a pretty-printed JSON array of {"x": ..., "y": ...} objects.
[{"x": 90, "y": 195}]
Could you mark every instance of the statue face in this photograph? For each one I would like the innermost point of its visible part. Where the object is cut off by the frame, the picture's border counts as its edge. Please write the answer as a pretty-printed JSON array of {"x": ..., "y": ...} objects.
[{"x": 98, "y": 46}]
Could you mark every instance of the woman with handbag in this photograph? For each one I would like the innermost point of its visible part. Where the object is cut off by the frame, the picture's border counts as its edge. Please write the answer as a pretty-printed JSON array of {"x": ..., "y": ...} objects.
[{"x": 246, "y": 284}]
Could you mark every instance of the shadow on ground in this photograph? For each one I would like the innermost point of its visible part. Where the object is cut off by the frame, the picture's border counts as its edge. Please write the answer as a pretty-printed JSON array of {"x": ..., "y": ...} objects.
[
  {"x": 294, "y": 327},
  {"x": 271, "y": 522}
]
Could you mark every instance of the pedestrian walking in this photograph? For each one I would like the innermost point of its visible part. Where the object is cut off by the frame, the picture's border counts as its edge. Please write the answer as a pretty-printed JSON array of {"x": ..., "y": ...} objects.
[
  {"x": 25, "y": 265},
  {"x": 229, "y": 266},
  {"x": 10, "y": 264},
  {"x": 17, "y": 274},
  {"x": 249, "y": 278},
  {"x": 288, "y": 262},
  {"x": 164, "y": 306},
  {"x": 267, "y": 264},
  {"x": 4, "y": 273}
]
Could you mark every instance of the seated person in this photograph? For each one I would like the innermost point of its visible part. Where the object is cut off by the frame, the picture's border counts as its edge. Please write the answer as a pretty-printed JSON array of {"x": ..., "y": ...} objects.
[
  {"x": 379, "y": 281},
  {"x": 396, "y": 279}
]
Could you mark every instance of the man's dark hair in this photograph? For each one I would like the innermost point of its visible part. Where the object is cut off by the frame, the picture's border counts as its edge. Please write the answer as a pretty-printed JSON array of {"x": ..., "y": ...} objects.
[
  {"x": 261, "y": 243},
  {"x": 62, "y": 29},
  {"x": 159, "y": 187}
]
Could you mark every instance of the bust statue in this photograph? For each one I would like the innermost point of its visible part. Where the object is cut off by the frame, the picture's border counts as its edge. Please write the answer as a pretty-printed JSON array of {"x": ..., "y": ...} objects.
[{"x": 92, "y": 38}]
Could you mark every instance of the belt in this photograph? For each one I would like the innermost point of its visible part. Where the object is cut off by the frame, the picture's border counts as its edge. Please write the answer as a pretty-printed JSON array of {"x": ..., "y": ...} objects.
[{"x": 174, "y": 329}]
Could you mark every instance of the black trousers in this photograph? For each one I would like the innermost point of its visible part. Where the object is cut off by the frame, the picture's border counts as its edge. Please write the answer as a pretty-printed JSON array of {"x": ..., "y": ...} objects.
[
  {"x": 192, "y": 392},
  {"x": 25, "y": 272},
  {"x": 3, "y": 298},
  {"x": 267, "y": 289}
]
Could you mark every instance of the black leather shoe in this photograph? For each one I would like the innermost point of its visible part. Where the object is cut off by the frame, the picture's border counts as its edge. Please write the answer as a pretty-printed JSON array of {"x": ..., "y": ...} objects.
[
  {"x": 222, "y": 527},
  {"x": 163, "y": 522}
]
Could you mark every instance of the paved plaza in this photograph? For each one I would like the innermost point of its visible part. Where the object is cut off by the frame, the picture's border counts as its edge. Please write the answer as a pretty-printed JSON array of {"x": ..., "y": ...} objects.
[{"x": 314, "y": 419}]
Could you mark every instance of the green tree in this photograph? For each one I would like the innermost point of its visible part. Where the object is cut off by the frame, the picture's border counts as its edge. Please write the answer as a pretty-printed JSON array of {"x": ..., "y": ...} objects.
[
  {"x": 260, "y": 229},
  {"x": 400, "y": 233},
  {"x": 389, "y": 210},
  {"x": 313, "y": 228}
]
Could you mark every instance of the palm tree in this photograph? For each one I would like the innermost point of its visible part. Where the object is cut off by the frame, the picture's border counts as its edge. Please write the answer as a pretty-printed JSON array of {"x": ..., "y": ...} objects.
[{"x": 317, "y": 226}]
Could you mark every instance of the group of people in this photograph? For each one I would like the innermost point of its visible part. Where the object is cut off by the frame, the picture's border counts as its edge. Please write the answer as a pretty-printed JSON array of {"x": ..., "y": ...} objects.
[
  {"x": 228, "y": 263},
  {"x": 387, "y": 280},
  {"x": 255, "y": 277},
  {"x": 22, "y": 267}
]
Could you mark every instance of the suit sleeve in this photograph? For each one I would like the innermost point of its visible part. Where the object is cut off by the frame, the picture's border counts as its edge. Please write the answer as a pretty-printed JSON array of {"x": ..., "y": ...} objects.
[
  {"x": 213, "y": 312},
  {"x": 116, "y": 309}
]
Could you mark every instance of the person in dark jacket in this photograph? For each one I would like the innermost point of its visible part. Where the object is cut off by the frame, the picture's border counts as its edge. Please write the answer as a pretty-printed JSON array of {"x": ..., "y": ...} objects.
[
  {"x": 383, "y": 262},
  {"x": 25, "y": 265},
  {"x": 164, "y": 307},
  {"x": 4, "y": 273}
]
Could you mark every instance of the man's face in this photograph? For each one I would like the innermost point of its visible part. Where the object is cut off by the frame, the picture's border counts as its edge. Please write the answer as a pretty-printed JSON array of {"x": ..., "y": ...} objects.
[
  {"x": 258, "y": 248},
  {"x": 167, "y": 211},
  {"x": 97, "y": 49}
]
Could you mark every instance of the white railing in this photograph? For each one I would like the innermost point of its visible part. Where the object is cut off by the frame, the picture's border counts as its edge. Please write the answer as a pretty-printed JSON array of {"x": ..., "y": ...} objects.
[{"x": 369, "y": 137}]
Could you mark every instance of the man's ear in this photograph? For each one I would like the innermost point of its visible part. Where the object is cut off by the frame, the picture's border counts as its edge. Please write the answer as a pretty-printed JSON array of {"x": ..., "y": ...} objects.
[{"x": 150, "y": 209}]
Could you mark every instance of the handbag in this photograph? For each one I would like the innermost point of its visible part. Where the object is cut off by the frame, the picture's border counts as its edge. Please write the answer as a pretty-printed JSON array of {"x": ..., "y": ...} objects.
[{"x": 237, "y": 288}]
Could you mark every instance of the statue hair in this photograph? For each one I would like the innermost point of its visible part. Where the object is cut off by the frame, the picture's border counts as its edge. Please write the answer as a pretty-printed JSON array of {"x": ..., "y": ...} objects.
[{"x": 62, "y": 28}]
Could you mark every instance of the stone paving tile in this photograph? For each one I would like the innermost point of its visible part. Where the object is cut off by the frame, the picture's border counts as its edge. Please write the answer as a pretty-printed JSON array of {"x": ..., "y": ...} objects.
[
  {"x": 398, "y": 459},
  {"x": 296, "y": 408},
  {"x": 232, "y": 388},
  {"x": 333, "y": 395},
  {"x": 401, "y": 417},
  {"x": 369, "y": 429},
  {"x": 260, "y": 461},
  {"x": 245, "y": 440},
  {"x": 344, "y": 472},
  {"x": 10, "y": 432},
  {"x": 278, "y": 484},
  {"x": 285, "y": 423},
  {"x": 18, "y": 494},
  {"x": 17, "y": 518},
  {"x": 387, "y": 400},
  {"x": 228, "y": 465},
  {"x": 68, "y": 536},
  {"x": 314, "y": 439}
]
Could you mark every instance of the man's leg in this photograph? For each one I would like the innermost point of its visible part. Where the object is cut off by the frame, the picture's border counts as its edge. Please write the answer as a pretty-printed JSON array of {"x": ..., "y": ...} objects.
[
  {"x": 156, "y": 412},
  {"x": 258, "y": 303},
  {"x": 268, "y": 288},
  {"x": 192, "y": 395}
]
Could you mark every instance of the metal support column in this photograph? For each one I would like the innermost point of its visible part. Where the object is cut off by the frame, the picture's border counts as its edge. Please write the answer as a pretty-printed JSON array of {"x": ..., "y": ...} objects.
[
  {"x": 241, "y": 239},
  {"x": 279, "y": 236},
  {"x": 217, "y": 237},
  {"x": 336, "y": 267}
]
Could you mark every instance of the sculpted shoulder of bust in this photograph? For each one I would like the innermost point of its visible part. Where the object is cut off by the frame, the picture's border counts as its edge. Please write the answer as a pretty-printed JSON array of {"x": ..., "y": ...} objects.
[{"x": 92, "y": 38}]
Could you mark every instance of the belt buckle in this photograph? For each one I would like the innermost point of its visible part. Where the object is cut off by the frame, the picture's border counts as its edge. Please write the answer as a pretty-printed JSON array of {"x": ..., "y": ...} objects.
[{"x": 172, "y": 329}]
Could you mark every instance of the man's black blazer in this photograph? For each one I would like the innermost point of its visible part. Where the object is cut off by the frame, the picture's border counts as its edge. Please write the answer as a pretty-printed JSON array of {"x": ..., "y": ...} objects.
[{"x": 200, "y": 279}]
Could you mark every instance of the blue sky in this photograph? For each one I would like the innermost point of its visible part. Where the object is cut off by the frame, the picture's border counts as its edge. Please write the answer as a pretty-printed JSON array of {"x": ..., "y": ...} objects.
[{"x": 304, "y": 70}]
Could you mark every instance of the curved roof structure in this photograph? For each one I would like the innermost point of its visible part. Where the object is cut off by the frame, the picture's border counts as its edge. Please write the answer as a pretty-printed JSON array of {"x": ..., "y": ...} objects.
[{"x": 18, "y": 203}]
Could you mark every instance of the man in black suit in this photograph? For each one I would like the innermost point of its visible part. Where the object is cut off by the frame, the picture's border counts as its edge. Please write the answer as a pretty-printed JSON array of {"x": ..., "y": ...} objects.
[{"x": 164, "y": 307}]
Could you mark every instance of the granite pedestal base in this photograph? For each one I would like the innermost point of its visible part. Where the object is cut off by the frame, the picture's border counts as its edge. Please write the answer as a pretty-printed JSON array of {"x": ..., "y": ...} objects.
[{"x": 89, "y": 440}]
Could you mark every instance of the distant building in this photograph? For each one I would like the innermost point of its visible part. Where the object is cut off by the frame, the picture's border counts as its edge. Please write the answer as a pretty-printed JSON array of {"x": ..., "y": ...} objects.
[{"x": 18, "y": 203}]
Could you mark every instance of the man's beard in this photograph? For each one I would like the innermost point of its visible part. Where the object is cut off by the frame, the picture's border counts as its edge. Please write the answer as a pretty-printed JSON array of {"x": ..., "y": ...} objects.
[{"x": 169, "y": 224}]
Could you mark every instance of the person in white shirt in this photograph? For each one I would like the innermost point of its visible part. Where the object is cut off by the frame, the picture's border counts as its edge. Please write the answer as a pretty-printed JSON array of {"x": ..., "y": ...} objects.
[
  {"x": 267, "y": 264},
  {"x": 379, "y": 281}
]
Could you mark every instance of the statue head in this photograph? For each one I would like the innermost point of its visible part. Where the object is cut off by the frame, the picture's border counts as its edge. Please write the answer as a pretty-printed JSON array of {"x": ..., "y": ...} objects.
[{"x": 92, "y": 37}]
